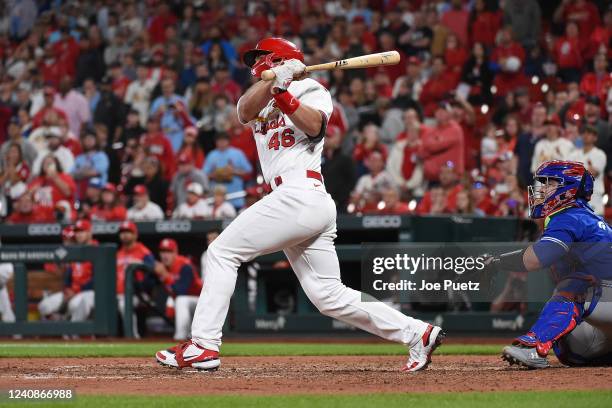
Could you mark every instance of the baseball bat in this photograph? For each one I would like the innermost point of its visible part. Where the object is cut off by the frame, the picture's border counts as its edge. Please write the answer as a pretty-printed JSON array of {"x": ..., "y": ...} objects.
[{"x": 363, "y": 61}]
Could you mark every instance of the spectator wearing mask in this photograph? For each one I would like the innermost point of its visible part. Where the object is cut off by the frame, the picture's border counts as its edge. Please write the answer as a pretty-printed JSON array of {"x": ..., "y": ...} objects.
[
  {"x": 183, "y": 284},
  {"x": 195, "y": 206},
  {"x": 228, "y": 166},
  {"x": 595, "y": 161},
  {"x": 221, "y": 209},
  {"x": 143, "y": 208},
  {"x": 442, "y": 144}
]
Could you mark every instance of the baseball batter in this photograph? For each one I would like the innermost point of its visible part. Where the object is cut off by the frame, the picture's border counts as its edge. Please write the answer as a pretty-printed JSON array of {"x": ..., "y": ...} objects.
[{"x": 289, "y": 116}]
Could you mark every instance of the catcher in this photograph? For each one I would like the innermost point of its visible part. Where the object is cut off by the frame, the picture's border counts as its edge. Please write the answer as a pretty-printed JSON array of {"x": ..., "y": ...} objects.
[{"x": 577, "y": 321}]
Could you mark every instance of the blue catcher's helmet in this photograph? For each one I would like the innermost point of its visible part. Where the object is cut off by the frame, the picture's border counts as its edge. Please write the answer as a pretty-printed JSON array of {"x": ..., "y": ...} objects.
[{"x": 573, "y": 180}]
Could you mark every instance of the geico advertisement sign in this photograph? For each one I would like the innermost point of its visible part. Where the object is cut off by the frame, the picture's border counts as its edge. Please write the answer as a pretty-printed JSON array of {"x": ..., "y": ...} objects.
[{"x": 388, "y": 221}]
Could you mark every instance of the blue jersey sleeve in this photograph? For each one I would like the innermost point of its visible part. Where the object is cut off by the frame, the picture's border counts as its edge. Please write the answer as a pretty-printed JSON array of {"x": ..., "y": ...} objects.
[{"x": 561, "y": 231}]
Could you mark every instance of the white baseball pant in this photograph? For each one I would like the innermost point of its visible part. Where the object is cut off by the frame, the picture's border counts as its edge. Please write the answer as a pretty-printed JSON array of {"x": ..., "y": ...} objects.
[
  {"x": 6, "y": 311},
  {"x": 298, "y": 217},
  {"x": 184, "y": 307},
  {"x": 80, "y": 305}
]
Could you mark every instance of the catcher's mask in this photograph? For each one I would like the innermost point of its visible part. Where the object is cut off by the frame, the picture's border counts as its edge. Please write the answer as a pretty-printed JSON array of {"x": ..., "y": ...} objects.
[{"x": 558, "y": 184}]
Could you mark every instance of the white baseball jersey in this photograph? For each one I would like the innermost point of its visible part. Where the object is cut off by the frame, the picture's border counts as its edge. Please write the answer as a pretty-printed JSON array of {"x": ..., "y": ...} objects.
[
  {"x": 281, "y": 146},
  {"x": 150, "y": 212},
  {"x": 298, "y": 217}
]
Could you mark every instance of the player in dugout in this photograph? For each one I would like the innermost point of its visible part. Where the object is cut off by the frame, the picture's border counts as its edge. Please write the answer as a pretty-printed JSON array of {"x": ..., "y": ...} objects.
[
  {"x": 130, "y": 252},
  {"x": 577, "y": 320},
  {"x": 183, "y": 284},
  {"x": 77, "y": 298}
]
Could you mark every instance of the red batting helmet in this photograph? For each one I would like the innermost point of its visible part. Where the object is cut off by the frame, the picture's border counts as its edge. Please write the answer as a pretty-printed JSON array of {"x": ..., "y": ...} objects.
[{"x": 275, "y": 50}]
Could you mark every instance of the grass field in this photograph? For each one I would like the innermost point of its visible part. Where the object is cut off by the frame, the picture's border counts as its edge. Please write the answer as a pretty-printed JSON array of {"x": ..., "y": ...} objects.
[
  {"x": 523, "y": 399},
  {"x": 569, "y": 399},
  {"x": 76, "y": 349}
]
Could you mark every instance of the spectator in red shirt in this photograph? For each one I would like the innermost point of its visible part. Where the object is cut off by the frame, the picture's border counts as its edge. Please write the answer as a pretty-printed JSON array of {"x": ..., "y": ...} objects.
[
  {"x": 159, "y": 146},
  {"x": 67, "y": 51},
  {"x": 600, "y": 37},
  {"x": 481, "y": 197},
  {"x": 391, "y": 204},
  {"x": 438, "y": 87},
  {"x": 369, "y": 142},
  {"x": 509, "y": 56},
  {"x": 48, "y": 115},
  {"x": 484, "y": 24},
  {"x": 598, "y": 82},
  {"x": 25, "y": 211},
  {"x": 582, "y": 12},
  {"x": 456, "y": 20},
  {"x": 568, "y": 54},
  {"x": 241, "y": 137},
  {"x": 53, "y": 184},
  {"x": 442, "y": 144},
  {"x": 442, "y": 198},
  {"x": 191, "y": 148},
  {"x": 109, "y": 208},
  {"x": 162, "y": 19},
  {"x": 223, "y": 84},
  {"x": 455, "y": 54}
]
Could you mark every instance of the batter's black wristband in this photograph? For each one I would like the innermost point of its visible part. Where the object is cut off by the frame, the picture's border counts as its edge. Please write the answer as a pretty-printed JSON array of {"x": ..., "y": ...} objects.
[{"x": 511, "y": 261}]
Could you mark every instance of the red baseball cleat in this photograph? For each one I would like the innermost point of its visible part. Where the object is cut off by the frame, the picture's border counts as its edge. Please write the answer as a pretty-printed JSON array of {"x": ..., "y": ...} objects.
[
  {"x": 420, "y": 353},
  {"x": 189, "y": 354}
]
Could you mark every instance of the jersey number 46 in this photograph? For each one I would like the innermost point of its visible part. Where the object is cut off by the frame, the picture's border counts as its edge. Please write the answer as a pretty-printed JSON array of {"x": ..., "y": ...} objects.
[{"x": 284, "y": 139}]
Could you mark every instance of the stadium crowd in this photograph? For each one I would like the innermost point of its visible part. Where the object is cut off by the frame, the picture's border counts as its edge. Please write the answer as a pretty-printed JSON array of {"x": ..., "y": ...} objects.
[{"x": 127, "y": 110}]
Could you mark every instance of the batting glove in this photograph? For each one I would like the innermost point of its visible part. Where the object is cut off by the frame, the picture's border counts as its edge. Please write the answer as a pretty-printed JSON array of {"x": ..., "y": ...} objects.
[{"x": 287, "y": 72}]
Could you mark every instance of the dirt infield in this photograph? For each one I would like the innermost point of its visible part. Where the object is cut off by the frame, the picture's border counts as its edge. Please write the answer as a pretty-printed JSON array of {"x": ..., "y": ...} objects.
[{"x": 292, "y": 375}]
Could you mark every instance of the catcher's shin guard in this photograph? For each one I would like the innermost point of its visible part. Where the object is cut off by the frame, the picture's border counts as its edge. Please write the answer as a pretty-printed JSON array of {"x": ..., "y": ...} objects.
[{"x": 559, "y": 317}]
